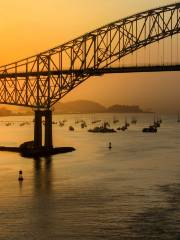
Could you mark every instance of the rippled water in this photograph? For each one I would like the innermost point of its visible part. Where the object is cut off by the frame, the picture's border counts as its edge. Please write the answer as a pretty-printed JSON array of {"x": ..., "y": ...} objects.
[{"x": 129, "y": 192}]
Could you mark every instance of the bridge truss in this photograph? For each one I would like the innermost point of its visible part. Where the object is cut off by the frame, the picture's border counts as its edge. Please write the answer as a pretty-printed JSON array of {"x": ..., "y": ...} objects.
[{"x": 41, "y": 80}]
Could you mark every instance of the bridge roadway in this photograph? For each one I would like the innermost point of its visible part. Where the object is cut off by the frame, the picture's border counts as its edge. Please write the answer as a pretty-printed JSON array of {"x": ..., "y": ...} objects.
[{"x": 96, "y": 72}]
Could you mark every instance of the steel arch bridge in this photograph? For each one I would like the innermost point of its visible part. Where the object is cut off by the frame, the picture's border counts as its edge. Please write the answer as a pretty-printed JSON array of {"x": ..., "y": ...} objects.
[{"x": 41, "y": 80}]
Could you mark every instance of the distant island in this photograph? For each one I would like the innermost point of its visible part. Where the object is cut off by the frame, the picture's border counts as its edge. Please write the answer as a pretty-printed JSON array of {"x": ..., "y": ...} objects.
[
  {"x": 84, "y": 106},
  {"x": 77, "y": 107}
]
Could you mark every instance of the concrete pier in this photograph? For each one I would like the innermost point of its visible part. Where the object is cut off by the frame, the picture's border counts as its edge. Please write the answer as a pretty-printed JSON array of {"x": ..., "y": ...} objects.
[
  {"x": 37, "y": 148},
  {"x": 48, "y": 129},
  {"x": 39, "y": 114}
]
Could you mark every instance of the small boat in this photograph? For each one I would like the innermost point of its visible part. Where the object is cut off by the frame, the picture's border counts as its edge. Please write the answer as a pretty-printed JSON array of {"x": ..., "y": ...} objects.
[
  {"x": 71, "y": 128},
  {"x": 178, "y": 120},
  {"x": 115, "y": 120},
  {"x": 83, "y": 125},
  {"x": 160, "y": 120},
  {"x": 123, "y": 128},
  {"x": 157, "y": 124},
  {"x": 96, "y": 121},
  {"x": 102, "y": 129},
  {"x": 150, "y": 129},
  {"x": 77, "y": 121},
  {"x": 126, "y": 123},
  {"x": 61, "y": 124}
]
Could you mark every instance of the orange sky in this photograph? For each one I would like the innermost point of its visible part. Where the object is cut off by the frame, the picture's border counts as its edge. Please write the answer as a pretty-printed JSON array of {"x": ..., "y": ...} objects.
[{"x": 29, "y": 27}]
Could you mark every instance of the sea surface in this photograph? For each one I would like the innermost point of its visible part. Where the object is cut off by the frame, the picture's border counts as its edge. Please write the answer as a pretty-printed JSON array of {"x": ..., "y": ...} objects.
[{"x": 129, "y": 192}]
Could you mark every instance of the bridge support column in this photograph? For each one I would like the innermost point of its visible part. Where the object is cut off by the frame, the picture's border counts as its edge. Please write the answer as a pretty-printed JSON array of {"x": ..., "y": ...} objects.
[
  {"x": 38, "y": 128},
  {"x": 48, "y": 129}
]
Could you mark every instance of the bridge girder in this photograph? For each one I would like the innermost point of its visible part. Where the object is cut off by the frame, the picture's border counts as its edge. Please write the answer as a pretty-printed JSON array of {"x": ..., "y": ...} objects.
[{"x": 41, "y": 80}]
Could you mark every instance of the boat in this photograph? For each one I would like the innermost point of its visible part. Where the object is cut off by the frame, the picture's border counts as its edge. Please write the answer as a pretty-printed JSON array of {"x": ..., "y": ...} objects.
[
  {"x": 96, "y": 121},
  {"x": 77, "y": 121},
  {"x": 150, "y": 129},
  {"x": 123, "y": 128},
  {"x": 178, "y": 120},
  {"x": 115, "y": 120},
  {"x": 83, "y": 125},
  {"x": 160, "y": 120},
  {"x": 157, "y": 124},
  {"x": 126, "y": 123},
  {"x": 71, "y": 128},
  {"x": 61, "y": 124},
  {"x": 102, "y": 129}
]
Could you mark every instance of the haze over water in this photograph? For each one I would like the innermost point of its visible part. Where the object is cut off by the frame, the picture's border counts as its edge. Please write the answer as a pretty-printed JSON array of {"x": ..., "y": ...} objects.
[{"x": 129, "y": 192}]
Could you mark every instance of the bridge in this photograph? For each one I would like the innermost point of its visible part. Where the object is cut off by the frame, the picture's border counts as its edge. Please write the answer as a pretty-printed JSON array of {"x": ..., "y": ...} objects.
[{"x": 43, "y": 79}]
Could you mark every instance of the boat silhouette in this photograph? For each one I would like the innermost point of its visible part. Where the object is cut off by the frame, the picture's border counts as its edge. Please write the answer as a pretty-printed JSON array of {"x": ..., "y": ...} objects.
[
  {"x": 102, "y": 129},
  {"x": 150, "y": 129},
  {"x": 178, "y": 120}
]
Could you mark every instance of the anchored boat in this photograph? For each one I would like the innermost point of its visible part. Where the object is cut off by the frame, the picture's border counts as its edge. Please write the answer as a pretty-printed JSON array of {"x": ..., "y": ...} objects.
[{"x": 102, "y": 129}]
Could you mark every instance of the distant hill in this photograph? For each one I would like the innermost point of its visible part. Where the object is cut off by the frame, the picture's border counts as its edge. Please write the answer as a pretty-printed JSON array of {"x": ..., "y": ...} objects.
[
  {"x": 84, "y": 106},
  {"x": 80, "y": 106},
  {"x": 124, "y": 109}
]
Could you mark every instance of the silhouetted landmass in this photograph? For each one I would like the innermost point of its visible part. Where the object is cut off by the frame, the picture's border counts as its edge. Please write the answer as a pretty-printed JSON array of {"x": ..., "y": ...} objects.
[
  {"x": 83, "y": 106},
  {"x": 79, "y": 106},
  {"x": 124, "y": 109}
]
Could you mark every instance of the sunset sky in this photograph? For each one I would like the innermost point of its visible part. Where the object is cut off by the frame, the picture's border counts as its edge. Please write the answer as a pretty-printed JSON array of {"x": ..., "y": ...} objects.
[{"x": 28, "y": 27}]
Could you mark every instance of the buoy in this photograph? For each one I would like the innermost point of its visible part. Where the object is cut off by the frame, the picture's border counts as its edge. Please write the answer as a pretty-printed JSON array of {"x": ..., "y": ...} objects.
[
  {"x": 110, "y": 145},
  {"x": 20, "y": 176}
]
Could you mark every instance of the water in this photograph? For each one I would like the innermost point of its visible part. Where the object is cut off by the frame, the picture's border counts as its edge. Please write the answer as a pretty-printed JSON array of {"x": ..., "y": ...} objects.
[{"x": 129, "y": 192}]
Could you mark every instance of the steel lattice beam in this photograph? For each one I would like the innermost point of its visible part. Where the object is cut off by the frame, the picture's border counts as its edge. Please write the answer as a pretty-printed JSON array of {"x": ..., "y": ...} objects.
[{"x": 41, "y": 80}]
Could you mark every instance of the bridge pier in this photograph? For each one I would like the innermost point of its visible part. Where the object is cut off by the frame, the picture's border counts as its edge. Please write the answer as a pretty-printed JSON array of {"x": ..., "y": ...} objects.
[
  {"x": 36, "y": 148},
  {"x": 39, "y": 114}
]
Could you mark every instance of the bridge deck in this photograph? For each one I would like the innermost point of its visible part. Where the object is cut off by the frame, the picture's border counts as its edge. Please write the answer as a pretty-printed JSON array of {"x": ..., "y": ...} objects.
[{"x": 95, "y": 72}]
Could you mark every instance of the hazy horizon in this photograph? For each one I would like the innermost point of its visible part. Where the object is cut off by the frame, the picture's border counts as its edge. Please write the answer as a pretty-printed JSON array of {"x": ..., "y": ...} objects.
[{"x": 24, "y": 109}]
